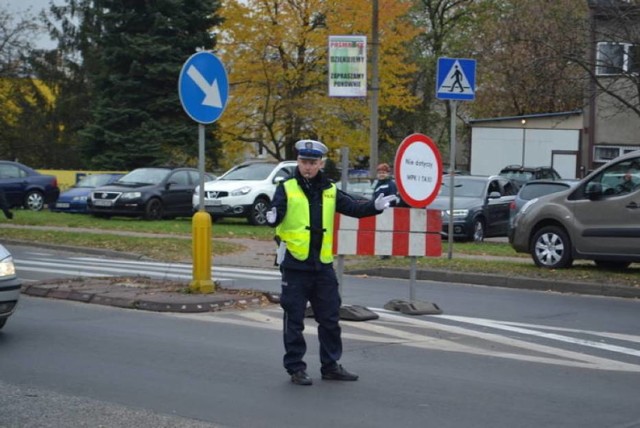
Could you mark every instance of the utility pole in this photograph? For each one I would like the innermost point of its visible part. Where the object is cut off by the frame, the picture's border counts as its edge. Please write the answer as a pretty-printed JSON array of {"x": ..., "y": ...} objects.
[{"x": 375, "y": 89}]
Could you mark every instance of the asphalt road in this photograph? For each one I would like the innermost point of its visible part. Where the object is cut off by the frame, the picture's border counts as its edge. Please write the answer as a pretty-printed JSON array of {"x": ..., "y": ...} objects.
[{"x": 496, "y": 358}]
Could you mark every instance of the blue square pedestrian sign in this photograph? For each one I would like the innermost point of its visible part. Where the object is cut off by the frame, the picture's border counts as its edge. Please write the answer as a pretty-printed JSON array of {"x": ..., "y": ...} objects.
[{"x": 456, "y": 79}]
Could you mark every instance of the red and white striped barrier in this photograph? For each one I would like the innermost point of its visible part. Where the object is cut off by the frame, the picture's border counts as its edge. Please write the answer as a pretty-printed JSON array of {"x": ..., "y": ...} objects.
[{"x": 395, "y": 232}]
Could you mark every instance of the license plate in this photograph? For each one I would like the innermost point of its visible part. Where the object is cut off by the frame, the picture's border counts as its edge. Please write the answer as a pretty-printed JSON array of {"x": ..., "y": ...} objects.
[
  {"x": 62, "y": 205},
  {"x": 213, "y": 203},
  {"x": 102, "y": 203}
]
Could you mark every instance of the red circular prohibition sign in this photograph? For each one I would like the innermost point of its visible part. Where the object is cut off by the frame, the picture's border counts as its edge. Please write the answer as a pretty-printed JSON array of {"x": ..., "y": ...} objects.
[{"x": 418, "y": 170}]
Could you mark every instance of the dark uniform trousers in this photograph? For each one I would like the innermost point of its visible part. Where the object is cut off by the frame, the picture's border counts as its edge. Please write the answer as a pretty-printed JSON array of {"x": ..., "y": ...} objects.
[{"x": 320, "y": 288}]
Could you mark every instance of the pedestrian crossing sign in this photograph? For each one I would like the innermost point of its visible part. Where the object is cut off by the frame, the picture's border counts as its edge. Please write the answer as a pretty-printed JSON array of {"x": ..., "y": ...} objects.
[{"x": 456, "y": 79}]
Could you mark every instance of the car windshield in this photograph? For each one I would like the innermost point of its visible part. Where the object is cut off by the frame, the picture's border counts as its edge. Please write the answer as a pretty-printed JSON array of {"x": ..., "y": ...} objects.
[
  {"x": 256, "y": 171},
  {"x": 517, "y": 175},
  {"x": 94, "y": 180},
  {"x": 534, "y": 190},
  {"x": 463, "y": 188},
  {"x": 145, "y": 176}
]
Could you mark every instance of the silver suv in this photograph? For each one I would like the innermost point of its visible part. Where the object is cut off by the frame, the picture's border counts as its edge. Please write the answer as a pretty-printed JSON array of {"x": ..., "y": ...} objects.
[
  {"x": 245, "y": 190},
  {"x": 598, "y": 219}
]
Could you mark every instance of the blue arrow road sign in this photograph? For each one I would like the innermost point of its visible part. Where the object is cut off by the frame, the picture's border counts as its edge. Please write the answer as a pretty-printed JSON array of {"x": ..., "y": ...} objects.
[
  {"x": 456, "y": 79},
  {"x": 203, "y": 87}
]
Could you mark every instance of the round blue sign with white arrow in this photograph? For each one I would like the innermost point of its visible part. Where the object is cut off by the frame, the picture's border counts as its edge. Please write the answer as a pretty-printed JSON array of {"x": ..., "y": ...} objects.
[{"x": 203, "y": 87}]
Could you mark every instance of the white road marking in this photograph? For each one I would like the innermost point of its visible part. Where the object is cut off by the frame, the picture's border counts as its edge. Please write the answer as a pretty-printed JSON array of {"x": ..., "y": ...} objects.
[
  {"x": 561, "y": 338},
  {"x": 391, "y": 328},
  {"x": 93, "y": 266}
]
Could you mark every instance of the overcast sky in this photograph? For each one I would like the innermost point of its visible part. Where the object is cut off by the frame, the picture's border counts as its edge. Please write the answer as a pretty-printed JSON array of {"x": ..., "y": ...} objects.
[{"x": 34, "y": 7}]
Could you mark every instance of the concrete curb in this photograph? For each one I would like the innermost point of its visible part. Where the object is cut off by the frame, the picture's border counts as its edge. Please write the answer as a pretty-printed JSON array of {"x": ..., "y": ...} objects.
[
  {"x": 505, "y": 281},
  {"x": 155, "y": 300}
]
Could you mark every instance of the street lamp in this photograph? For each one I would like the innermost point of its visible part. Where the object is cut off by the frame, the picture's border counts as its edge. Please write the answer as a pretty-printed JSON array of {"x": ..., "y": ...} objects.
[{"x": 524, "y": 135}]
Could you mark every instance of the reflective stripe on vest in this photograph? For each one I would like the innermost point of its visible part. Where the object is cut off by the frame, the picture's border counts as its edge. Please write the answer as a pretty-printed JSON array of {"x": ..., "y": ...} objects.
[{"x": 295, "y": 227}]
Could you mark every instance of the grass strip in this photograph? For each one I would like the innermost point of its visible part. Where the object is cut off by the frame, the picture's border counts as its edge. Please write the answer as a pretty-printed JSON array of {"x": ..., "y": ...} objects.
[
  {"x": 166, "y": 249},
  {"x": 582, "y": 271},
  {"x": 228, "y": 228}
]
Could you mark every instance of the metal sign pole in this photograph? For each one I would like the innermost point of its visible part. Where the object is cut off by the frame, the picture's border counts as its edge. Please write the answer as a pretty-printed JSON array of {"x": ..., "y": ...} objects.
[
  {"x": 412, "y": 279},
  {"x": 452, "y": 172}
]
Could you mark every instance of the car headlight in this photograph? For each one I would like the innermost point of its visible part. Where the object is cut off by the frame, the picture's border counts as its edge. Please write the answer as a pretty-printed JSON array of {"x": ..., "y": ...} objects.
[
  {"x": 456, "y": 213},
  {"x": 130, "y": 195},
  {"x": 7, "y": 268},
  {"x": 241, "y": 191}
]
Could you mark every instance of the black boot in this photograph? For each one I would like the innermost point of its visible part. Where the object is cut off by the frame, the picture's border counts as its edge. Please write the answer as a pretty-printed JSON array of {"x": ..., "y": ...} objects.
[
  {"x": 339, "y": 373},
  {"x": 301, "y": 378}
]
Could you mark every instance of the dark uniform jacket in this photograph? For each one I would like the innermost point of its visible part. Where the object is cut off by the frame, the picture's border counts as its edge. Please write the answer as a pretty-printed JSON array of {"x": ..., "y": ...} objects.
[
  {"x": 385, "y": 187},
  {"x": 313, "y": 188}
]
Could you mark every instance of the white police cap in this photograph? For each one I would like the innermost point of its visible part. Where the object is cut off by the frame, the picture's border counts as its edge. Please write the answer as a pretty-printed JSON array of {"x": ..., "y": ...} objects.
[{"x": 311, "y": 149}]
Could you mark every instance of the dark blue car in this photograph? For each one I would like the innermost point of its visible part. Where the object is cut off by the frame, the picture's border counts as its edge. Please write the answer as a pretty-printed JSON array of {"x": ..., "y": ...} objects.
[
  {"x": 25, "y": 187},
  {"x": 74, "y": 200}
]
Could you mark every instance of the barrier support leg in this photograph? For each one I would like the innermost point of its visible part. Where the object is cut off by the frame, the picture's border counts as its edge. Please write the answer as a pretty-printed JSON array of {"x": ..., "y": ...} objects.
[{"x": 413, "y": 307}]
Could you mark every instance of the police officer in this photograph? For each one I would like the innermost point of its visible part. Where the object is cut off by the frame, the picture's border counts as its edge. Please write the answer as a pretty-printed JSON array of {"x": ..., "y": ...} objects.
[{"x": 302, "y": 211}]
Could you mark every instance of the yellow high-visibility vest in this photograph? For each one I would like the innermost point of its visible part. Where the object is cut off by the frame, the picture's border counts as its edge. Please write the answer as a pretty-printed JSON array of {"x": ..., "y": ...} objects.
[{"x": 295, "y": 227}]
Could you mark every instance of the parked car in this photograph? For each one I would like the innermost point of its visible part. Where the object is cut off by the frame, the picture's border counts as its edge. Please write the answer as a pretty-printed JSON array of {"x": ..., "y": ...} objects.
[
  {"x": 480, "y": 206},
  {"x": 9, "y": 286},
  {"x": 598, "y": 219},
  {"x": 246, "y": 190},
  {"x": 521, "y": 174},
  {"x": 151, "y": 193},
  {"x": 26, "y": 187},
  {"x": 360, "y": 189},
  {"x": 535, "y": 189},
  {"x": 74, "y": 200}
]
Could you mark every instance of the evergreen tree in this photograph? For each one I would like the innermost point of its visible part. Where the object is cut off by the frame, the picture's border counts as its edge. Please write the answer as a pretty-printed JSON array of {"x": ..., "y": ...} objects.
[{"x": 137, "y": 119}]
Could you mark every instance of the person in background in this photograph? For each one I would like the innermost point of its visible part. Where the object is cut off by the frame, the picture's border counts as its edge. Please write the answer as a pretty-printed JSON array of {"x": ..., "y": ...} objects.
[
  {"x": 628, "y": 184},
  {"x": 4, "y": 205},
  {"x": 385, "y": 185},
  {"x": 302, "y": 212}
]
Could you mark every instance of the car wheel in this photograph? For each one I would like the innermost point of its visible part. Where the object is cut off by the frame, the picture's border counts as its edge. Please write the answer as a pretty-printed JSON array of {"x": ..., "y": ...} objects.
[
  {"x": 606, "y": 264},
  {"x": 258, "y": 212},
  {"x": 34, "y": 201},
  {"x": 551, "y": 248},
  {"x": 478, "y": 230},
  {"x": 153, "y": 209}
]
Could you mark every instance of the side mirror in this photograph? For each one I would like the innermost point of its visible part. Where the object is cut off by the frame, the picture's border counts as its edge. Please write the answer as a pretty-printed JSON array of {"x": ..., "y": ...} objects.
[
  {"x": 278, "y": 180},
  {"x": 593, "y": 191},
  {"x": 495, "y": 195}
]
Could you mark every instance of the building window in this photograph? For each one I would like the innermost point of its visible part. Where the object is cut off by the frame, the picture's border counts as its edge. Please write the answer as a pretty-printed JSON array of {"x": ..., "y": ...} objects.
[
  {"x": 617, "y": 58},
  {"x": 607, "y": 153}
]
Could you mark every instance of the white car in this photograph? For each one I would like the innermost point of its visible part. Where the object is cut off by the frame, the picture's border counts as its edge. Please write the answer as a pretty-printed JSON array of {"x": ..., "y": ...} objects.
[
  {"x": 246, "y": 190},
  {"x": 9, "y": 286}
]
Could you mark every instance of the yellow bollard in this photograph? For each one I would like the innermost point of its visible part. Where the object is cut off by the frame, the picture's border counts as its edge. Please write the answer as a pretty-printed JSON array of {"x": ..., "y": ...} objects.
[{"x": 201, "y": 232}]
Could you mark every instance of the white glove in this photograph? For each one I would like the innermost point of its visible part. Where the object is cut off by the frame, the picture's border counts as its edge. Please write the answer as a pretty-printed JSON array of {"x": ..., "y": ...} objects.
[
  {"x": 384, "y": 202},
  {"x": 272, "y": 215}
]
